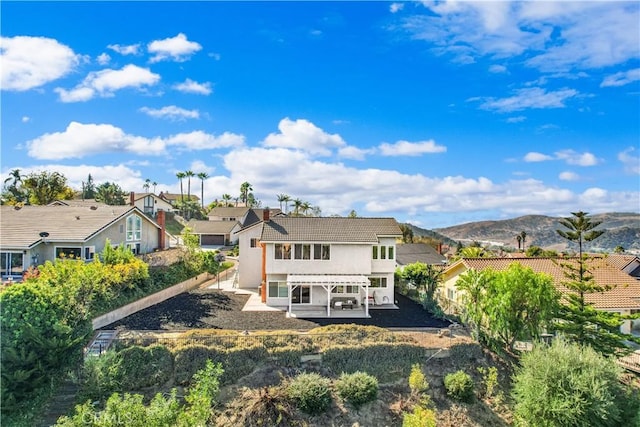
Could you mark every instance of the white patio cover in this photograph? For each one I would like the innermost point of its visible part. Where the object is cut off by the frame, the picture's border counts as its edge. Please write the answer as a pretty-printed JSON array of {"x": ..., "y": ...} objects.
[{"x": 328, "y": 282}]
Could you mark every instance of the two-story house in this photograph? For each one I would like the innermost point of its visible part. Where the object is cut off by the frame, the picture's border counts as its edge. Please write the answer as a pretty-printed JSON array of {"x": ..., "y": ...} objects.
[{"x": 320, "y": 263}]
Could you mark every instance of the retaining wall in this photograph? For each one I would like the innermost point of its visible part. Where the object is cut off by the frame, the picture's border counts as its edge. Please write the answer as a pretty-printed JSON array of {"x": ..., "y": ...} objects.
[{"x": 148, "y": 301}]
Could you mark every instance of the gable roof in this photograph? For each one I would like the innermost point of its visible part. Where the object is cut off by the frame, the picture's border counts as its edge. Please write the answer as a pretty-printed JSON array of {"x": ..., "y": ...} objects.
[
  {"x": 621, "y": 261},
  {"x": 172, "y": 197},
  {"x": 211, "y": 227},
  {"x": 409, "y": 253},
  {"x": 228, "y": 212},
  {"x": 329, "y": 229},
  {"x": 77, "y": 203},
  {"x": 624, "y": 292},
  {"x": 21, "y": 228}
]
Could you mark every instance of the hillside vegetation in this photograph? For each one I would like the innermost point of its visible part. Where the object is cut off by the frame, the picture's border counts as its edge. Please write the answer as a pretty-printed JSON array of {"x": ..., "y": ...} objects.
[{"x": 622, "y": 229}]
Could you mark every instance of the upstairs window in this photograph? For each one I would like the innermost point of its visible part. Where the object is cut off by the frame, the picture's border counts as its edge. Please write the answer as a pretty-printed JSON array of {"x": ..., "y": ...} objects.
[
  {"x": 322, "y": 252},
  {"x": 302, "y": 251},
  {"x": 378, "y": 282},
  {"x": 391, "y": 248},
  {"x": 375, "y": 252},
  {"x": 383, "y": 252},
  {"x": 283, "y": 251},
  {"x": 134, "y": 228},
  {"x": 255, "y": 243}
]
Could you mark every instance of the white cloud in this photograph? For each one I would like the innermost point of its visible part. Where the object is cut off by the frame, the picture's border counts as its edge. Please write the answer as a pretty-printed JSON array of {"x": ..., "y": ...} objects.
[
  {"x": 214, "y": 55},
  {"x": 176, "y": 48},
  {"x": 536, "y": 157},
  {"x": 630, "y": 160},
  {"x": 199, "y": 140},
  {"x": 132, "y": 49},
  {"x": 579, "y": 159},
  {"x": 527, "y": 98},
  {"x": 497, "y": 69},
  {"x": 103, "y": 59},
  {"x": 190, "y": 86},
  {"x": 30, "y": 62},
  {"x": 516, "y": 119},
  {"x": 80, "y": 140},
  {"x": 25, "y": 119},
  {"x": 105, "y": 82},
  {"x": 354, "y": 153},
  {"x": 396, "y": 7},
  {"x": 551, "y": 36},
  {"x": 303, "y": 135},
  {"x": 406, "y": 148},
  {"x": 622, "y": 78},
  {"x": 568, "y": 176},
  {"x": 171, "y": 112},
  {"x": 198, "y": 166}
]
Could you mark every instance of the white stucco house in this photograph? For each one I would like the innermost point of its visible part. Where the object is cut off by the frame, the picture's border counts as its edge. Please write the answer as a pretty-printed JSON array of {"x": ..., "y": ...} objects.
[{"x": 320, "y": 264}]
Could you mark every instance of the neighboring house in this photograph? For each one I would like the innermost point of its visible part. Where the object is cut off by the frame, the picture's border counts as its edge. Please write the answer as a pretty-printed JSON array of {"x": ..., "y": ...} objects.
[
  {"x": 410, "y": 253},
  {"x": 319, "y": 262},
  {"x": 245, "y": 216},
  {"x": 214, "y": 233},
  {"x": 149, "y": 203},
  {"x": 173, "y": 198},
  {"x": 77, "y": 203},
  {"x": 623, "y": 297},
  {"x": 630, "y": 264},
  {"x": 31, "y": 235}
]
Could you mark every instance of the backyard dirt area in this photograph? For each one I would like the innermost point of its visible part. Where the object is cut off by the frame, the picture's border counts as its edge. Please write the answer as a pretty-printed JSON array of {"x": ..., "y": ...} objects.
[{"x": 214, "y": 309}]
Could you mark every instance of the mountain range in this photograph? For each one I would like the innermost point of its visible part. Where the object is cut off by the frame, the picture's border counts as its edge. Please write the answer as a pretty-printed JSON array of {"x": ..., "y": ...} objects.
[{"x": 621, "y": 229}]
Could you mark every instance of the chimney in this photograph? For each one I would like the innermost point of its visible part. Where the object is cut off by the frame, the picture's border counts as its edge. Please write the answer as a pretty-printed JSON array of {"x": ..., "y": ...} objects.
[
  {"x": 162, "y": 231},
  {"x": 132, "y": 198},
  {"x": 265, "y": 215}
]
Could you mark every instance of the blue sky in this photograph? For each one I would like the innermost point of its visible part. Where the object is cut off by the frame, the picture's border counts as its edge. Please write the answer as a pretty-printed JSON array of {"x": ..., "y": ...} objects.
[{"x": 435, "y": 113}]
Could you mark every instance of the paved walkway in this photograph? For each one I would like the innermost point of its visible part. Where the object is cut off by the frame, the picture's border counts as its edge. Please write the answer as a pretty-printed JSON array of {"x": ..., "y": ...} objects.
[{"x": 253, "y": 303}]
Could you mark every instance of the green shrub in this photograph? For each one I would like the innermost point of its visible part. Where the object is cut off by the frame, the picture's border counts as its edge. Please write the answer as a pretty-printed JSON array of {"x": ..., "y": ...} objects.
[
  {"x": 489, "y": 380},
  {"x": 101, "y": 376},
  {"x": 386, "y": 361},
  {"x": 311, "y": 393},
  {"x": 239, "y": 362},
  {"x": 142, "y": 367},
  {"x": 420, "y": 417},
  {"x": 190, "y": 359},
  {"x": 287, "y": 356},
  {"x": 357, "y": 388},
  {"x": 417, "y": 381},
  {"x": 570, "y": 385},
  {"x": 459, "y": 386}
]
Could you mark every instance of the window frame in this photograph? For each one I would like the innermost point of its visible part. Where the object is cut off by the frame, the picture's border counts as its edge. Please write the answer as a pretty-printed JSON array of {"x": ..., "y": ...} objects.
[
  {"x": 65, "y": 250},
  {"x": 321, "y": 252},
  {"x": 133, "y": 228},
  {"x": 279, "y": 286},
  {"x": 302, "y": 251}
]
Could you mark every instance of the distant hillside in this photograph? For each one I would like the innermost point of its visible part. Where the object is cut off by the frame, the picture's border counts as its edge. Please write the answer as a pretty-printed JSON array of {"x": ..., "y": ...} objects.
[
  {"x": 421, "y": 232},
  {"x": 622, "y": 229}
]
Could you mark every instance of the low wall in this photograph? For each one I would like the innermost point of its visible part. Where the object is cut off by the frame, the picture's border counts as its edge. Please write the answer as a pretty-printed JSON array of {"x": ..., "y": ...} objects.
[{"x": 148, "y": 301}]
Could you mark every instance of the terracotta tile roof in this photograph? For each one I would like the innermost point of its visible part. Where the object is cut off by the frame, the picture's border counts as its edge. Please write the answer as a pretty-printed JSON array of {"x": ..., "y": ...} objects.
[
  {"x": 329, "y": 229},
  {"x": 621, "y": 261},
  {"x": 624, "y": 292},
  {"x": 20, "y": 228},
  {"x": 226, "y": 211}
]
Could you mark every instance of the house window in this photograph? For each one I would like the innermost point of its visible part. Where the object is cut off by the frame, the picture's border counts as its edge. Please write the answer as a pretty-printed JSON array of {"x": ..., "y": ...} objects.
[
  {"x": 148, "y": 205},
  {"x": 283, "y": 250},
  {"x": 69, "y": 253},
  {"x": 375, "y": 252},
  {"x": 302, "y": 251},
  {"x": 451, "y": 294},
  {"x": 345, "y": 289},
  {"x": 134, "y": 228},
  {"x": 391, "y": 252},
  {"x": 383, "y": 252},
  {"x": 255, "y": 243},
  {"x": 378, "y": 282},
  {"x": 134, "y": 248},
  {"x": 322, "y": 252},
  {"x": 89, "y": 252},
  {"x": 11, "y": 263},
  {"x": 278, "y": 290}
]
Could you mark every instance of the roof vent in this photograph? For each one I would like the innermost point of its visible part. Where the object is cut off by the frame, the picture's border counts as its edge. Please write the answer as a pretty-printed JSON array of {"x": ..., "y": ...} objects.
[
  {"x": 93, "y": 208},
  {"x": 77, "y": 216}
]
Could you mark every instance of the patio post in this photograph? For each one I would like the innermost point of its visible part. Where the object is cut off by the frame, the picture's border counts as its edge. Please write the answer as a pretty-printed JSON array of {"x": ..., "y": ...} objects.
[
  {"x": 366, "y": 299},
  {"x": 289, "y": 295}
]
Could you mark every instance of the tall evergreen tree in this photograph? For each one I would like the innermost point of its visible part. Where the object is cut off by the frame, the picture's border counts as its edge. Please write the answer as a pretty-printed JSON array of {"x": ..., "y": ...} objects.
[{"x": 579, "y": 319}]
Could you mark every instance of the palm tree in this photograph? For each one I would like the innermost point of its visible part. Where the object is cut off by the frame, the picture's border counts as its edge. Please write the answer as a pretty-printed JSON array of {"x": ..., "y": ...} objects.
[
  {"x": 189, "y": 175},
  {"x": 202, "y": 176},
  {"x": 523, "y": 236},
  {"x": 284, "y": 198},
  {"x": 245, "y": 188},
  {"x": 15, "y": 176},
  {"x": 305, "y": 208},
  {"x": 147, "y": 184},
  {"x": 297, "y": 205},
  {"x": 227, "y": 199},
  {"x": 519, "y": 239},
  {"x": 155, "y": 184},
  {"x": 181, "y": 176}
]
